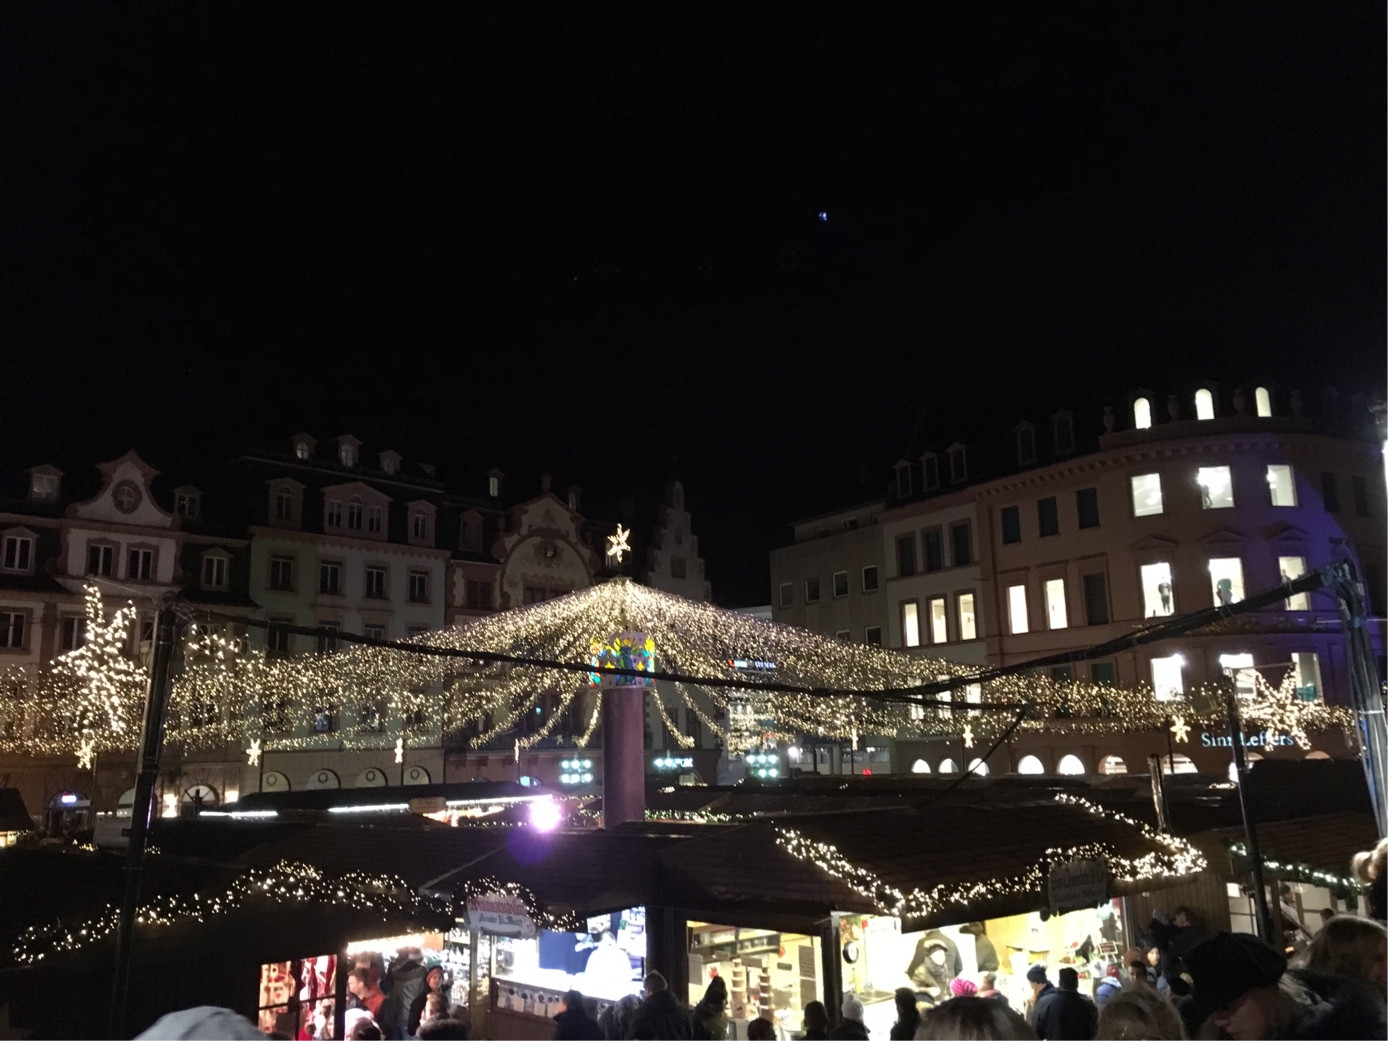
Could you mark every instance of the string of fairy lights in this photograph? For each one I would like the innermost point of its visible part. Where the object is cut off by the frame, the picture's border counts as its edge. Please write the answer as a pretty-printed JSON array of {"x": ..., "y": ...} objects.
[
  {"x": 1297, "y": 871},
  {"x": 746, "y": 680},
  {"x": 386, "y": 897},
  {"x": 1170, "y": 857}
]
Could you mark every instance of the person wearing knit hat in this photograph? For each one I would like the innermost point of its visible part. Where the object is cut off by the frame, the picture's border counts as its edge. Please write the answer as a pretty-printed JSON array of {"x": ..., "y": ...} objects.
[
  {"x": 908, "y": 1015},
  {"x": 1041, "y": 991},
  {"x": 962, "y": 988},
  {"x": 1241, "y": 988},
  {"x": 852, "y": 1027}
]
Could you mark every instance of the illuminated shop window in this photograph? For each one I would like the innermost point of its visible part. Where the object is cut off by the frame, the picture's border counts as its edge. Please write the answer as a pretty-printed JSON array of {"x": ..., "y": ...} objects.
[
  {"x": 920, "y": 766},
  {"x": 1281, "y": 485},
  {"x": 910, "y": 624},
  {"x": 968, "y": 621},
  {"x": 1290, "y": 568},
  {"x": 1147, "y": 500},
  {"x": 1306, "y": 666},
  {"x": 1262, "y": 402},
  {"x": 1157, "y": 598},
  {"x": 1226, "y": 580},
  {"x": 949, "y": 766},
  {"x": 1112, "y": 765},
  {"x": 1055, "y": 603},
  {"x": 1216, "y": 487},
  {"x": 1167, "y": 683},
  {"x": 1240, "y": 668},
  {"x": 1017, "y": 608},
  {"x": 939, "y": 632}
]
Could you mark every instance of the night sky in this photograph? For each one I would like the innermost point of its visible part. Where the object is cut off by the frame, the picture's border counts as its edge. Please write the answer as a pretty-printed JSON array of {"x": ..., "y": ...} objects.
[{"x": 587, "y": 237}]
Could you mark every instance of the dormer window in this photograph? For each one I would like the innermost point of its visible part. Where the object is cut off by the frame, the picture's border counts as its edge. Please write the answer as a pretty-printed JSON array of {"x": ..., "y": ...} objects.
[
  {"x": 958, "y": 470},
  {"x": 1063, "y": 432},
  {"x": 354, "y": 514},
  {"x": 332, "y": 514},
  {"x": 214, "y": 570},
  {"x": 347, "y": 454},
  {"x": 419, "y": 525},
  {"x": 1262, "y": 402},
  {"x": 43, "y": 486},
  {"x": 903, "y": 480},
  {"x": 1142, "y": 414},
  {"x": 375, "y": 519},
  {"x": 188, "y": 503},
  {"x": 574, "y": 498},
  {"x": 17, "y": 551},
  {"x": 284, "y": 505},
  {"x": 390, "y": 462},
  {"x": 302, "y": 449},
  {"x": 1204, "y": 404},
  {"x": 494, "y": 486},
  {"x": 930, "y": 467},
  {"x": 1026, "y": 444}
]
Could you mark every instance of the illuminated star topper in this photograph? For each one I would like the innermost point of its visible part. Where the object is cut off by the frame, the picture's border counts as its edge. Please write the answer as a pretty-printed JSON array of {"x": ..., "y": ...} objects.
[{"x": 618, "y": 545}]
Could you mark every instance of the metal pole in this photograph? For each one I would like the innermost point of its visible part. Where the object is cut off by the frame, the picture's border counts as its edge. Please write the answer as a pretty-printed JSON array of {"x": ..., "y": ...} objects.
[
  {"x": 1250, "y": 832},
  {"x": 151, "y": 740},
  {"x": 1366, "y": 695}
]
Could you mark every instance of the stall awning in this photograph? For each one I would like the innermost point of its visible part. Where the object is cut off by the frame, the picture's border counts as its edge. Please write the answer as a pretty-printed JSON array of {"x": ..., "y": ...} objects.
[{"x": 1315, "y": 850}]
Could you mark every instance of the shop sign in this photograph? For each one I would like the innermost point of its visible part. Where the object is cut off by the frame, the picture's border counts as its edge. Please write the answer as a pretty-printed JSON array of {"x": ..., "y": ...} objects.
[
  {"x": 500, "y": 914},
  {"x": 1080, "y": 883},
  {"x": 1265, "y": 738}
]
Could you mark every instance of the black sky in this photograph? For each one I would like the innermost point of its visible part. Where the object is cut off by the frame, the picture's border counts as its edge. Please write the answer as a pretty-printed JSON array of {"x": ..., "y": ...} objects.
[{"x": 584, "y": 237}]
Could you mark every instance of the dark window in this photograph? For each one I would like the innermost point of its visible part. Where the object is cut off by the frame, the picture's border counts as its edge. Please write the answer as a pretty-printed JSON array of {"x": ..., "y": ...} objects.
[
  {"x": 840, "y": 583},
  {"x": 327, "y": 637},
  {"x": 1330, "y": 493},
  {"x": 1048, "y": 516},
  {"x": 1359, "y": 492},
  {"x": 931, "y": 465},
  {"x": 330, "y": 577},
  {"x": 1095, "y": 599},
  {"x": 873, "y": 635},
  {"x": 1087, "y": 506},
  {"x": 419, "y": 587},
  {"x": 811, "y": 590},
  {"x": 1103, "y": 672},
  {"x": 281, "y": 572},
  {"x": 870, "y": 578},
  {"x": 961, "y": 537},
  {"x": 1011, "y": 525},
  {"x": 787, "y": 594},
  {"x": 906, "y": 555},
  {"x": 277, "y": 640},
  {"x": 12, "y": 629},
  {"x": 679, "y": 569},
  {"x": 1062, "y": 673},
  {"x": 100, "y": 560},
  {"x": 74, "y": 632},
  {"x": 934, "y": 550},
  {"x": 479, "y": 595},
  {"x": 375, "y": 583}
]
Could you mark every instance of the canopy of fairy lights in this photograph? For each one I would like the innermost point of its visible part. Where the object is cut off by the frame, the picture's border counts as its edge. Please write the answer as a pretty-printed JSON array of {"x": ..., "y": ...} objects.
[{"x": 748, "y": 680}]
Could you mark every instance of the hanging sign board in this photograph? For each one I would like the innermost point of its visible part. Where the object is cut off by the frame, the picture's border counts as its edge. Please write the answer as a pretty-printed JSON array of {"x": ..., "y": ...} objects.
[
  {"x": 500, "y": 914},
  {"x": 1080, "y": 883}
]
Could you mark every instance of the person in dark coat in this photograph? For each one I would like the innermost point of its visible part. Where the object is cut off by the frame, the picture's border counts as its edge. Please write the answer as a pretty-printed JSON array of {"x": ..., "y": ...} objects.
[
  {"x": 1241, "y": 988},
  {"x": 1066, "y": 1014},
  {"x": 816, "y": 1022},
  {"x": 985, "y": 954},
  {"x": 573, "y": 1022},
  {"x": 1041, "y": 991},
  {"x": 433, "y": 984},
  {"x": 709, "y": 1018},
  {"x": 660, "y": 1015},
  {"x": 908, "y": 1016},
  {"x": 618, "y": 1016}
]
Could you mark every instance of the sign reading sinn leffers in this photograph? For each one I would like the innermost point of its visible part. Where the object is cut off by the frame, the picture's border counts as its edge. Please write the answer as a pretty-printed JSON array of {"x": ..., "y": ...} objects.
[
  {"x": 1077, "y": 884},
  {"x": 500, "y": 914}
]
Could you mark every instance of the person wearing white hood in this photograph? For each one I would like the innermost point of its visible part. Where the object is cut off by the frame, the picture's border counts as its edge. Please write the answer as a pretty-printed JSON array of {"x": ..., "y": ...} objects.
[{"x": 202, "y": 1021}]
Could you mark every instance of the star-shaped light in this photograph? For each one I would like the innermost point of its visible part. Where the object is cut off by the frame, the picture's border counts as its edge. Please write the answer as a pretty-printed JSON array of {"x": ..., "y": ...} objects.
[
  {"x": 1180, "y": 729},
  {"x": 968, "y": 735},
  {"x": 399, "y": 749},
  {"x": 253, "y": 753},
  {"x": 618, "y": 545},
  {"x": 86, "y": 752}
]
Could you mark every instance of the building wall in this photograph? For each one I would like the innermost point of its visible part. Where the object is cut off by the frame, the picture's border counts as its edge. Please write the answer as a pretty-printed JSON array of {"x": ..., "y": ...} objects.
[
  {"x": 673, "y": 562},
  {"x": 849, "y": 544}
]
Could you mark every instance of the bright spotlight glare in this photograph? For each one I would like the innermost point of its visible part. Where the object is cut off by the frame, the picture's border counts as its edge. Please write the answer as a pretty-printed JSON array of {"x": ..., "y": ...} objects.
[{"x": 544, "y": 815}]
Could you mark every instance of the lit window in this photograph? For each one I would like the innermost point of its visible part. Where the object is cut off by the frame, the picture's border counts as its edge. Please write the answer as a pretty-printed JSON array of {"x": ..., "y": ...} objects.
[
  {"x": 910, "y": 624},
  {"x": 1156, "y": 589},
  {"x": 1306, "y": 667},
  {"x": 1029, "y": 764},
  {"x": 1070, "y": 764},
  {"x": 920, "y": 766},
  {"x": 1112, "y": 764},
  {"x": 1055, "y": 603},
  {"x": 1240, "y": 668},
  {"x": 1262, "y": 402},
  {"x": 494, "y": 487},
  {"x": 1204, "y": 404},
  {"x": 949, "y": 766},
  {"x": 1294, "y": 567},
  {"x": 1216, "y": 487},
  {"x": 978, "y": 768},
  {"x": 939, "y": 630},
  {"x": 301, "y": 449},
  {"x": 1226, "y": 580},
  {"x": 1142, "y": 414},
  {"x": 968, "y": 621},
  {"x": 1017, "y": 608},
  {"x": 1281, "y": 485},
  {"x": 347, "y": 453},
  {"x": 1166, "y": 677},
  {"x": 1146, "y": 495}
]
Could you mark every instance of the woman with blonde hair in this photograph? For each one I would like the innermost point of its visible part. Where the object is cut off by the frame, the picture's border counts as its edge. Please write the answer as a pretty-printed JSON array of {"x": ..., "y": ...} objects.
[
  {"x": 1139, "y": 1012},
  {"x": 974, "y": 1019},
  {"x": 1353, "y": 947}
]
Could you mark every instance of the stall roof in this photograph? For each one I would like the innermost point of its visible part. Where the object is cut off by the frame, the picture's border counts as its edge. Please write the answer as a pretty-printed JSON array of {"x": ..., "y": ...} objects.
[
  {"x": 14, "y": 816},
  {"x": 1324, "y": 843},
  {"x": 336, "y": 798}
]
